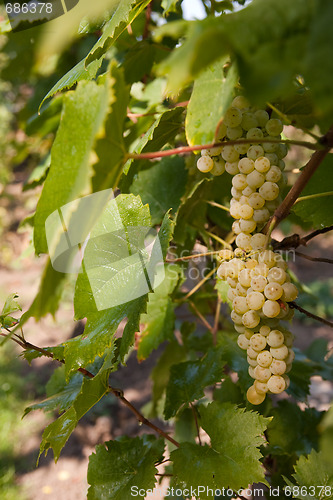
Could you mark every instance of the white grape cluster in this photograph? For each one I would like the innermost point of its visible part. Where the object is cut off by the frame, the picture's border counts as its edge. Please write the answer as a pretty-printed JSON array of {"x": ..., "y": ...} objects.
[{"x": 260, "y": 288}]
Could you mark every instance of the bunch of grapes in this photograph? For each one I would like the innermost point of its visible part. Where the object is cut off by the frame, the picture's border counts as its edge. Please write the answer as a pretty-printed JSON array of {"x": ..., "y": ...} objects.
[{"x": 260, "y": 288}]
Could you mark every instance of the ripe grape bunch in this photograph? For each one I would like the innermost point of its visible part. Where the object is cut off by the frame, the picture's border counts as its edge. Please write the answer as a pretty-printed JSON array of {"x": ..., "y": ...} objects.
[{"x": 260, "y": 287}]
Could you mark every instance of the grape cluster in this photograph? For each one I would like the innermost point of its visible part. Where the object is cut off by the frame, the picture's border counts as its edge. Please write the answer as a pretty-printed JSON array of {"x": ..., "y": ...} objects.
[{"x": 260, "y": 288}]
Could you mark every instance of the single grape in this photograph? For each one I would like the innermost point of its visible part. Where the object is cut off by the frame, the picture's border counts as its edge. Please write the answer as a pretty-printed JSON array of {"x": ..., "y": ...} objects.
[
  {"x": 274, "y": 127},
  {"x": 268, "y": 190},
  {"x": 254, "y": 397},
  {"x": 247, "y": 225},
  {"x": 241, "y": 148},
  {"x": 273, "y": 291},
  {"x": 215, "y": 151},
  {"x": 258, "y": 241},
  {"x": 255, "y": 180},
  {"x": 256, "y": 201},
  {"x": 254, "y": 133},
  {"x": 262, "y": 117},
  {"x": 243, "y": 241},
  {"x": 264, "y": 330},
  {"x": 255, "y": 300},
  {"x": 241, "y": 290},
  {"x": 252, "y": 362},
  {"x": 245, "y": 211},
  {"x": 260, "y": 387},
  {"x": 248, "y": 191},
  {"x": 278, "y": 367},
  {"x": 219, "y": 167},
  {"x": 264, "y": 359},
  {"x": 290, "y": 292},
  {"x": 261, "y": 216},
  {"x": 262, "y": 374},
  {"x": 205, "y": 164},
  {"x": 232, "y": 168},
  {"x": 242, "y": 341},
  {"x": 255, "y": 151},
  {"x": 262, "y": 164},
  {"x": 232, "y": 117},
  {"x": 276, "y": 384},
  {"x": 277, "y": 275},
  {"x": 240, "y": 102},
  {"x": 250, "y": 319},
  {"x": 244, "y": 277},
  {"x": 239, "y": 305},
  {"x": 279, "y": 352},
  {"x": 239, "y": 181},
  {"x": 258, "y": 342},
  {"x": 234, "y": 133},
  {"x": 271, "y": 308},
  {"x": 252, "y": 353},
  {"x": 273, "y": 174},
  {"x": 229, "y": 154},
  {"x": 246, "y": 165},
  {"x": 275, "y": 338}
]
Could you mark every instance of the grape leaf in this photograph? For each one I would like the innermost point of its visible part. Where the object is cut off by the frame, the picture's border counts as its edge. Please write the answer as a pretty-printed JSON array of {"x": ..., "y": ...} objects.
[
  {"x": 57, "y": 433},
  {"x": 235, "y": 357},
  {"x": 293, "y": 430},
  {"x": 233, "y": 460},
  {"x": 236, "y": 435},
  {"x": 76, "y": 74},
  {"x": 173, "y": 354},
  {"x": 163, "y": 130},
  {"x": 124, "y": 15},
  {"x": 158, "y": 321},
  {"x": 326, "y": 437},
  {"x": 188, "y": 380},
  {"x": 119, "y": 466},
  {"x": 11, "y": 305},
  {"x": 314, "y": 474},
  {"x": 318, "y": 211},
  {"x": 83, "y": 114},
  {"x": 110, "y": 148},
  {"x": 169, "y": 6},
  {"x": 216, "y": 90},
  {"x": 272, "y": 57},
  {"x": 161, "y": 186}
]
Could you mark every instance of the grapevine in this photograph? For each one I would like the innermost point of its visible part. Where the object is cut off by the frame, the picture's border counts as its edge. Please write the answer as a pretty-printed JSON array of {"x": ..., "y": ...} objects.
[{"x": 260, "y": 287}]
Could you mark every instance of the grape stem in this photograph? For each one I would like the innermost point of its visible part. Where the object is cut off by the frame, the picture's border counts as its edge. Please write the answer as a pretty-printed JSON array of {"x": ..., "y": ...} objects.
[
  {"x": 314, "y": 259},
  {"x": 293, "y": 305},
  {"x": 315, "y": 161},
  {"x": 116, "y": 392},
  {"x": 295, "y": 240},
  {"x": 190, "y": 149},
  {"x": 194, "y": 411}
]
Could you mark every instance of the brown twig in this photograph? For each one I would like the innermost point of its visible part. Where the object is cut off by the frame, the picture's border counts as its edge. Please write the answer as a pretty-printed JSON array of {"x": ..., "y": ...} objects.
[
  {"x": 295, "y": 240},
  {"x": 216, "y": 320},
  {"x": 314, "y": 259},
  {"x": 193, "y": 256},
  {"x": 293, "y": 305},
  {"x": 196, "y": 422},
  {"x": 190, "y": 149},
  {"x": 200, "y": 316},
  {"x": 145, "y": 33},
  {"x": 315, "y": 161},
  {"x": 116, "y": 392}
]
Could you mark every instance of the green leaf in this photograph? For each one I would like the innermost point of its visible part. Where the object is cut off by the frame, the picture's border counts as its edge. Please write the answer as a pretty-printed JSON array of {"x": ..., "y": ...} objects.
[
  {"x": 293, "y": 430},
  {"x": 272, "y": 57},
  {"x": 57, "y": 433},
  {"x": 233, "y": 460},
  {"x": 236, "y": 436},
  {"x": 235, "y": 357},
  {"x": 194, "y": 466},
  {"x": 222, "y": 288},
  {"x": 216, "y": 91},
  {"x": 173, "y": 354},
  {"x": 74, "y": 75},
  {"x": 318, "y": 61},
  {"x": 158, "y": 321},
  {"x": 83, "y": 114},
  {"x": 318, "y": 211},
  {"x": 61, "y": 400},
  {"x": 161, "y": 186},
  {"x": 11, "y": 305},
  {"x": 119, "y": 466},
  {"x": 326, "y": 437},
  {"x": 124, "y": 15},
  {"x": 110, "y": 147},
  {"x": 169, "y": 6},
  {"x": 302, "y": 371},
  {"x": 313, "y": 473},
  {"x": 157, "y": 136},
  {"x": 188, "y": 380},
  {"x": 165, "y": 233}
]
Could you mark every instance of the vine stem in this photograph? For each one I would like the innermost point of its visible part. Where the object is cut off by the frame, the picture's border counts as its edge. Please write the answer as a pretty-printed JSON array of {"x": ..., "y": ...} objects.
[
  {"x": 116, "y": 392},
  {"x": 196, "y": 423},
  {"x": 293, "y": 305},
  {"x": 193, "y": 256},
  {"x": 295, "y": 240},
  {"x": 191, "y": 149},
  {"x": 314, "y": 259},
  {"x": 315, "y": 161}
]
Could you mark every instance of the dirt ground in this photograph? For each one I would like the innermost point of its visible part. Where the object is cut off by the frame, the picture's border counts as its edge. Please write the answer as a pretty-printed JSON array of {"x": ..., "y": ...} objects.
[{"x": 67, "y": 478}]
